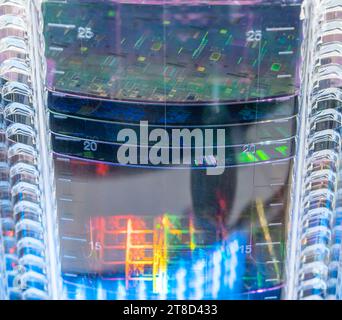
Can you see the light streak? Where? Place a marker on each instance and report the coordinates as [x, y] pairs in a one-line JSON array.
[[161, 252], [121, 293], [198, 280], [181, 285], [267, 235], [142, 291], [101, 293], [233, 248], [80, 292], [217, 259]]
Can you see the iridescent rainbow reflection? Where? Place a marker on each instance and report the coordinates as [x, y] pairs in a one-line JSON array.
[[160, 258]]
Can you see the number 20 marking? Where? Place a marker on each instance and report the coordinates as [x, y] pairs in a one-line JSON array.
[[89, 146]]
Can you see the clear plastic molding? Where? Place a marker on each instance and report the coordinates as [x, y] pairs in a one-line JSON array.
[[23, 248], [320, 223]]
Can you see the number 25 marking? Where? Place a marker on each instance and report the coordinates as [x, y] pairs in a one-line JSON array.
[[253, 35], [85, 33]]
